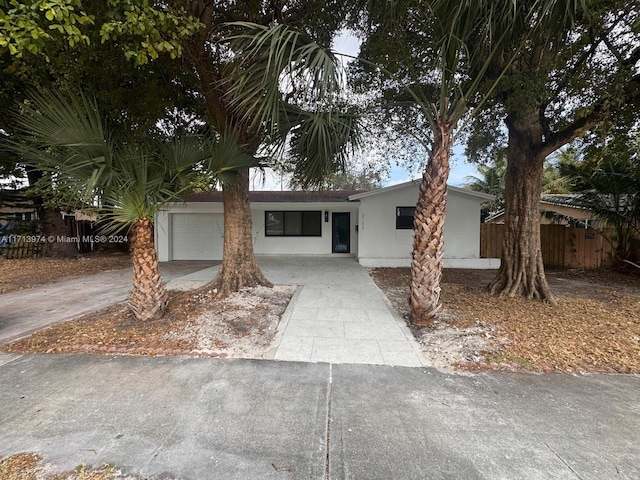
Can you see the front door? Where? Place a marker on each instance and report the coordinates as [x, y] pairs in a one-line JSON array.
[[341, 229]]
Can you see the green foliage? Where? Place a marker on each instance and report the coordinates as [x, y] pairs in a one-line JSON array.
[[287, 87], [572, 72], [145, 29], [490, 180], [26, 26], [128, 179], [607, 182], [148, 29], [429, 60]]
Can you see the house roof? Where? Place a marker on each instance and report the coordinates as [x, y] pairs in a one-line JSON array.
[[414, 183], [264, 196], [551, 202]]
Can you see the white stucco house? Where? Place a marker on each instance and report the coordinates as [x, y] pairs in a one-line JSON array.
[[373, 226]]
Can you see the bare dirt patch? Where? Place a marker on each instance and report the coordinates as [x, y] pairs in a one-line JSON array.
[[18, 274], [594, 328]]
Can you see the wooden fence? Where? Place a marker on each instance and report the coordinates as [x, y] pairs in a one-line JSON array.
[[23, 248], [561, 246]]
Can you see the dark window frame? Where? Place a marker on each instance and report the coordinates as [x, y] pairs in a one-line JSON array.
[[402, 219], [305, 232]]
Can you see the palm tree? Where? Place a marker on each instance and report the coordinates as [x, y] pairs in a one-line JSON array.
[[128, 181], [463, 34], [490, 179], [607, 183]]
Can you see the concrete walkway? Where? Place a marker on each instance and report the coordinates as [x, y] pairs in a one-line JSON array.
[[338, 314]]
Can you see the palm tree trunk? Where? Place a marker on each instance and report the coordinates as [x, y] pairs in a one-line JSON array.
[[428, 225], [239, 268], [148, 299]]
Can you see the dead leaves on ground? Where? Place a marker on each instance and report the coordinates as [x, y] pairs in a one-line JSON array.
[[594, 328], [18, 274], [28, 466]]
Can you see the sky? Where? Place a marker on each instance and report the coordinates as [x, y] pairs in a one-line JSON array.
[[348, 44]]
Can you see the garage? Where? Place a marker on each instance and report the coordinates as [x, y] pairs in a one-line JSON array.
[[197, 236]]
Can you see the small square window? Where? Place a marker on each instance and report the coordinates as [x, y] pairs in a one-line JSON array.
[[404, 218]]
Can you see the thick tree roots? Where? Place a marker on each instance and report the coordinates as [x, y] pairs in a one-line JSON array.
[[514, 279], [232, 280]]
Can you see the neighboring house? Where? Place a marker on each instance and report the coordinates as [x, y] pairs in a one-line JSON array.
[[374, 226], [16, 206], [556, 209]]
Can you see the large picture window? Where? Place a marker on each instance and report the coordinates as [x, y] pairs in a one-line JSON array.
[[293, 224], [404, 218]]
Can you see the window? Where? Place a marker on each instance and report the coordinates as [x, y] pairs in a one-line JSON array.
[[293, 224], [404, 218]]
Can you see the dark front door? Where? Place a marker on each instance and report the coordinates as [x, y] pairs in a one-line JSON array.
[[341, 229]]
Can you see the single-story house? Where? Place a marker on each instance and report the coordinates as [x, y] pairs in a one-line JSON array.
[[373, 226]]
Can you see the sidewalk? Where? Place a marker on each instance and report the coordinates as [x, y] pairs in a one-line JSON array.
[[338, 314], [203, 419]]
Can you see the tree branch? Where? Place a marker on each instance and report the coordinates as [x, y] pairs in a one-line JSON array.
[[599, 112]]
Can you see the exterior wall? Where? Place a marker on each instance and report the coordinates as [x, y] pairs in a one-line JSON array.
[[382, 245], [373, 234], [263, 245]]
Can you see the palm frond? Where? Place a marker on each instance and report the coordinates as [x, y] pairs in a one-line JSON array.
[[226, 158], [321, 144], [270, 59], [56, 133]]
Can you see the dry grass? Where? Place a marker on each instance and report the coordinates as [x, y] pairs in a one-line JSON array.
[[594, 328], [28, 466]]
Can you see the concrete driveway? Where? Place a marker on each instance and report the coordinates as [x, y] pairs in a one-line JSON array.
[[25, 311], [185, 418]]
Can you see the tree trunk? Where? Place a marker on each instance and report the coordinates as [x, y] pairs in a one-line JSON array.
[[239, 267], [148, 299], [56, 228], [521, 272], [428, 225]]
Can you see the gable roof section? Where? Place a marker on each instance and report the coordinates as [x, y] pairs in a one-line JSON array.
[[482, 197], [264, 196]]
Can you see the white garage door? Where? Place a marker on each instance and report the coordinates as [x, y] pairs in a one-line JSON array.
[[197, 236]]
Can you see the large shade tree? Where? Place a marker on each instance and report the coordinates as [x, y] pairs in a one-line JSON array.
[[266, 83], [217, 40], [568, 78], [127, 180]]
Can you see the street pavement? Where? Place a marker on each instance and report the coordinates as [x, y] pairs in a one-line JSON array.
[[190, 418]]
